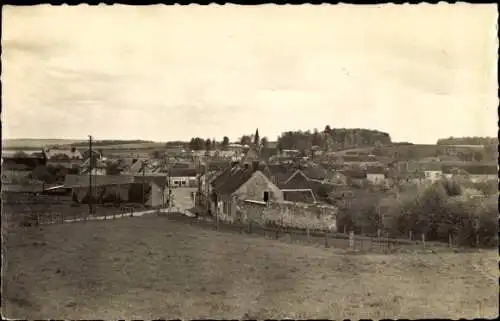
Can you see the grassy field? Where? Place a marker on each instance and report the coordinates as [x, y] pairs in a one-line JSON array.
[[153, 267]]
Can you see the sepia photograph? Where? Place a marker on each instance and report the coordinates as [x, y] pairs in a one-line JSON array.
[[249, 162]]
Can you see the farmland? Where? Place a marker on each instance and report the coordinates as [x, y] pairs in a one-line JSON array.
[[153, 267]]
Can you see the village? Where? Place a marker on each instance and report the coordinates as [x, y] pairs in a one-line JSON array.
[[308, 189], [233, 162]]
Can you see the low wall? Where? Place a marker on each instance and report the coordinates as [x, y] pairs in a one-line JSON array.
[[286, 214]]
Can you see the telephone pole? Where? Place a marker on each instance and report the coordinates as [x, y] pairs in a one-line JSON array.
[[90, 175]]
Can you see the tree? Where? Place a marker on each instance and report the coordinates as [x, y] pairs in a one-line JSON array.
[[214, 144], [197, 143], [256, 138], [156, 154], [246, 140], [225, 143], [264, 142], [208, 144]]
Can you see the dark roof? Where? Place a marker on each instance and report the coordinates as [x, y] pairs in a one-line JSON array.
[[354, 174], [315, 172], [278, 173], [376, 170], [478, 169], [183, 172], [231, 179], [97, 180], [17, 188], [299, 196], [15, 167]]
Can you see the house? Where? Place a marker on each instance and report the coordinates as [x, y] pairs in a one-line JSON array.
[[242, 182], [151, 191], [474, 172], [289, 153], [376, 175], [69, 158], [183, 177], [98, 168], [31, 159], [251, 155], [279, 173], [354, 177], [17, 166], [299, 196]]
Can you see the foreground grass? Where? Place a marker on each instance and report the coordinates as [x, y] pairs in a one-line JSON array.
[[151, 267]]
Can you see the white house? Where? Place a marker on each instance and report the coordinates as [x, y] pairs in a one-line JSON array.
[[433, 175], [376, 175], [183, 177]]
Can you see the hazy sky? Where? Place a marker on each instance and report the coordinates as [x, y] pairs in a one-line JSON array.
[[419, 72]]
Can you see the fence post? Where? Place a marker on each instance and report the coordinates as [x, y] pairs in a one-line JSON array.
[[411, 235], [351, 240], [249, 227], [326, 239], [423, 239], [38, 222], [62, 217], [131, 212], [114, 215], [450, 240]]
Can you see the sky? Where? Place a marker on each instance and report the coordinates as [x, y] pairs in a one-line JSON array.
[[418, 72]]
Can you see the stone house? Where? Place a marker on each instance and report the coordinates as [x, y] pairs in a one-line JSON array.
[[242, 182]]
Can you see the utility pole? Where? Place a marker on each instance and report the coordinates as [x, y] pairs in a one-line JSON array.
[[169, 177], [90, 175], [143, 181]]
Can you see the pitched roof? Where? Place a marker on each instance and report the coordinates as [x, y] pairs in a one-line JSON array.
[[278, 173], [18, 188], [9, 153], [475, 169], [354, 174], [375, 170], [299, 196], [315, 172], [15, 167], [51, 153], [97, 180], [183, 172], [231, 179]]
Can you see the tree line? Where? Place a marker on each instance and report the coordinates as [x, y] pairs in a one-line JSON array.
[[199, 143], [443, 211], [475, 140], [333, 139]]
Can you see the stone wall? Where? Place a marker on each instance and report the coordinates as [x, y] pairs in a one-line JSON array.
[[285, 214]]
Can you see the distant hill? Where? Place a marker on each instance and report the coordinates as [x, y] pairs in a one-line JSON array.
[[422, 151], [476, 140], [32, 143]]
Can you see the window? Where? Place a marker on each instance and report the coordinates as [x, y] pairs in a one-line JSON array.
[[266, 196]]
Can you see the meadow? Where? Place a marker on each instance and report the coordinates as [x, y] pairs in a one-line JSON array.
[[154, 267]]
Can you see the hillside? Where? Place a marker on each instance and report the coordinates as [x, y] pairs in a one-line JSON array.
[[34, 143], [421, 151], [152, 267]]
